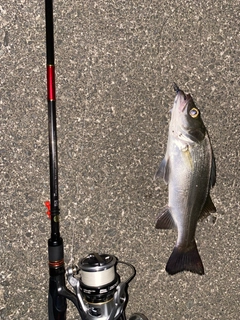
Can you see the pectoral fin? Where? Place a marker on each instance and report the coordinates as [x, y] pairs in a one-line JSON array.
[[163, 170], [165, 220]]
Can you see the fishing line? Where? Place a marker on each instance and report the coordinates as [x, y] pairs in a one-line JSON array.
[[73, 222], [96, 279], [84, 113]]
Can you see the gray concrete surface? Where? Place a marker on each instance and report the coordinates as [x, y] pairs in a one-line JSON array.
[[115, 64]]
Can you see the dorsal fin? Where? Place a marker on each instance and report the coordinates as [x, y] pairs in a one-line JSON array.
[[208, 208]]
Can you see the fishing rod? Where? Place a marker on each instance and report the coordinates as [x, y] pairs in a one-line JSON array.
[[97, 290]]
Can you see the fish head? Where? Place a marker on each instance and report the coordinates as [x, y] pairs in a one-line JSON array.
[[186, 118]]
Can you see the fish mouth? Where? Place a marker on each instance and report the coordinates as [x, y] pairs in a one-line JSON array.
[[181, 99]]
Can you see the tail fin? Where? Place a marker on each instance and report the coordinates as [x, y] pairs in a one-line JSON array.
[[188, 260]]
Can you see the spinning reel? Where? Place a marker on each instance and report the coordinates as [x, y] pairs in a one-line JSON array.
[[98, 288]]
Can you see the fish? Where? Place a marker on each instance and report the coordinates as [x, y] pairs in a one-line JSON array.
[[189, 170]]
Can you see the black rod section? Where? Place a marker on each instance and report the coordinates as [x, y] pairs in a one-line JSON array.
[[52, 127], [49, 32], [56, 302]]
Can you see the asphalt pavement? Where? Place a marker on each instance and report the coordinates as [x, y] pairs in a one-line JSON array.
[[115, 65]]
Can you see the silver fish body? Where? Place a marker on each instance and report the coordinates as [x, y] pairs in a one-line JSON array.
[[189, 170]]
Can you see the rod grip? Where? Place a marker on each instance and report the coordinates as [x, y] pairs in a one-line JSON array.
[[55, 250]]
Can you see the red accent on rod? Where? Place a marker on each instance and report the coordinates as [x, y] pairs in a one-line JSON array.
[[48, 205], [51, 82], [56, 264]]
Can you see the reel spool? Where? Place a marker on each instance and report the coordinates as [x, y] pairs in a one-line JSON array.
[[99, 277]]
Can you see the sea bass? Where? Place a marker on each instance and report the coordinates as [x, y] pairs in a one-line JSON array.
[[189, 170]]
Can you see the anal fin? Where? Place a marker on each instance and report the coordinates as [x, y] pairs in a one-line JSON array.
[[165, 220]]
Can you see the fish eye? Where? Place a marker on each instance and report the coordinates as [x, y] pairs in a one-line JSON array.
[[194, 112]]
